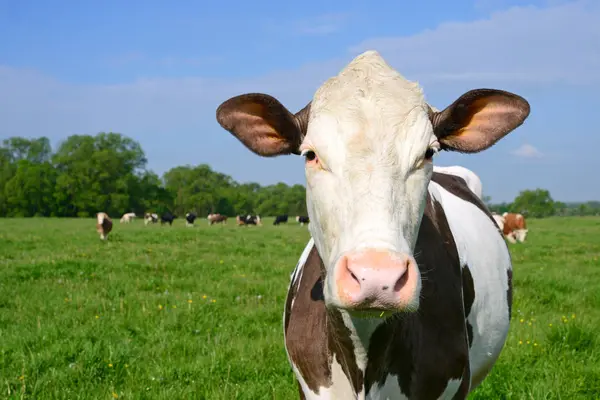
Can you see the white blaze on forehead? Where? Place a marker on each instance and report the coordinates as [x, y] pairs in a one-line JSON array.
[[369, 126], [367, 93]]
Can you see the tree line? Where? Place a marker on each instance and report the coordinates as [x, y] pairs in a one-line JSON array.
[[108, 172]]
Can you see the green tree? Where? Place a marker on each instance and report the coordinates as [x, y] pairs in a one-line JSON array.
[[535, 203]]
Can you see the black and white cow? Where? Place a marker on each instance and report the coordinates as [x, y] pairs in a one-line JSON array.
[[405, 287], [190, 218], [281, 219], [301, 219]]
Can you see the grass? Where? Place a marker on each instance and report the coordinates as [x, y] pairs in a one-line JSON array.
[[176, 313]]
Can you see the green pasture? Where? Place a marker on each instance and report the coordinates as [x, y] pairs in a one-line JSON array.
[[161, 312]]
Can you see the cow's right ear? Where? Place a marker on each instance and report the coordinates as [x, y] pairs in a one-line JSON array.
[[263, 124]]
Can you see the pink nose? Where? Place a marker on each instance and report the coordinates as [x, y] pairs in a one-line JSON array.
[[376, 279]]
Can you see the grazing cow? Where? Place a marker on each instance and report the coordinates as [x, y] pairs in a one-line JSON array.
[[515, 228], [248, 220], [471, 179], [280, 219], [150, 218], [302, 219], [217, 218], [103, 225], [189, 219], [127, 218], [167, 218], [404, 289]]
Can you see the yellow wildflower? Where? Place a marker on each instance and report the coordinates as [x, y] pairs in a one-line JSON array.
[[110, 365], [190, 301]]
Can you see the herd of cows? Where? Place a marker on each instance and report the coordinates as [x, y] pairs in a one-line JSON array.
[[404, 289], [104, 223]]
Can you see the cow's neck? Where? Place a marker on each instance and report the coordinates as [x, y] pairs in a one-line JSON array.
[[358, 332]]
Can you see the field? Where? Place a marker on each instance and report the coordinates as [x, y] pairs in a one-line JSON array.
[[176, 313]]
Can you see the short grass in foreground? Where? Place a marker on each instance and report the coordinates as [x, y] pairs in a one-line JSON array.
[[175, 312]]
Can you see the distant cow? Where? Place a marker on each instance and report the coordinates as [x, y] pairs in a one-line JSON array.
[[189, 219], [127, 218], [515, 227], [301, 219], [103, 225], [280, 219], [248, 220], [472, 180], [167, 218], [404, 290], [216, 219], [150, 218]]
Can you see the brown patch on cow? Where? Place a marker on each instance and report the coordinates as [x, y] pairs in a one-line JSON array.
[[509, 293], [306, 337], [105, 227], [342, 347], [513, 222], [468, 299], [428, 348]]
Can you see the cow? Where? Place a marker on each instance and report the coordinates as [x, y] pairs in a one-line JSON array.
[[103, 225], [127, 218], [150, 218], [248, 220], [515, 228], [471, 179], [404, 289], [301, 219], [280, 219], [167, 218], [216, 218], [190, 218]]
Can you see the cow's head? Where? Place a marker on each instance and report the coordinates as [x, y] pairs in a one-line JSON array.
[[368, 138]]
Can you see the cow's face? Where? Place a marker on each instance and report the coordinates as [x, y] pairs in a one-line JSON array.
[[368, 138], [521, 235]]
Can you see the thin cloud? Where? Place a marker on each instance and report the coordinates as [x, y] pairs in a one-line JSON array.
[[527, 151], [528, 44]]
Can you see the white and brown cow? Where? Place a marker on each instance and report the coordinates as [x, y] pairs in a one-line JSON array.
[[404, 289], [216, 219], [471, 179], [127, 218], [514, 227], [103, 225]]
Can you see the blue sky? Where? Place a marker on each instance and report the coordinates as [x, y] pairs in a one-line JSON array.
[[156, 71]]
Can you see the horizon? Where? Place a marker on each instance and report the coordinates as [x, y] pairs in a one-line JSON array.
[[156, 74]]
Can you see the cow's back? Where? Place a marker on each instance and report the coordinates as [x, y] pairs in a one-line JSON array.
[[486, 262]]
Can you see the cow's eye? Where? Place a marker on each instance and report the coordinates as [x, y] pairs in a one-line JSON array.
[[429, 153], [309, 155]]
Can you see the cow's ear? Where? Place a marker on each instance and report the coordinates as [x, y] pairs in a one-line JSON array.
[[263, 124], [478, 119]]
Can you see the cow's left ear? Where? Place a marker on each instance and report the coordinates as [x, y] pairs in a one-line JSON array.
[[263, 124], [478, 119]]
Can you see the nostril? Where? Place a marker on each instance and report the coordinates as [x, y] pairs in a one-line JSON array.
[[403, 278], [401, 282], [354, 276]]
